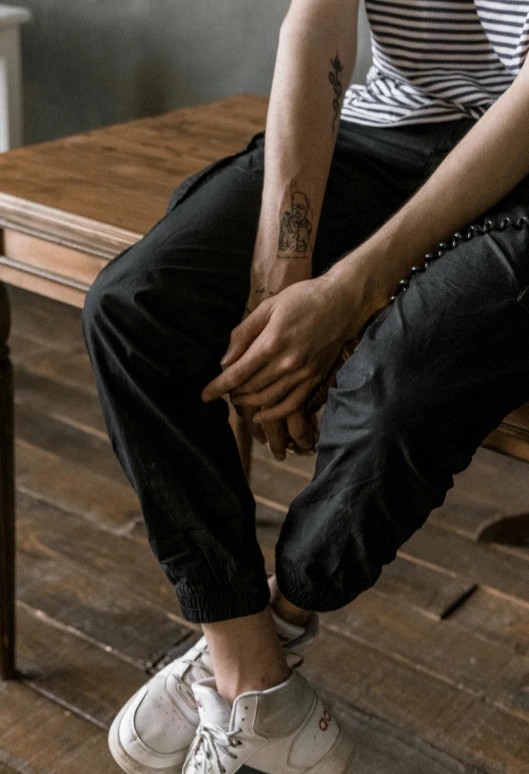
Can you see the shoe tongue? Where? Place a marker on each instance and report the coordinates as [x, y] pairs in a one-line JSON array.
[[212, 707]]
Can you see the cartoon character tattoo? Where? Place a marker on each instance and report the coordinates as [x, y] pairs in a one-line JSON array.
[[295, 227]]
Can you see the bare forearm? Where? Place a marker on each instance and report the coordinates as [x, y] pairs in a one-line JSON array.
[[314, 64], [483, 167]]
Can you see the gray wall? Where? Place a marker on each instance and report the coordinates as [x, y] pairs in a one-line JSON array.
[[90, 63]]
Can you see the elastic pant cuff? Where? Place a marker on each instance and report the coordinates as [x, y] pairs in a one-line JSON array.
[[216, 602], [303, 595]]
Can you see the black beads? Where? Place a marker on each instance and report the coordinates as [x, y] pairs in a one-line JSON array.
[[475, 228]]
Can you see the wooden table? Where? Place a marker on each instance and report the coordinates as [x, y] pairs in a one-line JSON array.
[[69, 206]]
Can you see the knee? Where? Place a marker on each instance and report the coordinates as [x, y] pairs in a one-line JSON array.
[[106, 293], [94, 304], [112, 311], [386, 458], [378, 405], [147, 312], [398, 428]]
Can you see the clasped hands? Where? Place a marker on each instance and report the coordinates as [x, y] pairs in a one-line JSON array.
[[283, 348]]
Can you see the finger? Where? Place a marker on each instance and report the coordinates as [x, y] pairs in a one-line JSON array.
[[284, 364], [256, 430], [277, 437], [293, 401], [300, 429], [271, 394], [238, 373], [270, 373], [244, 334]]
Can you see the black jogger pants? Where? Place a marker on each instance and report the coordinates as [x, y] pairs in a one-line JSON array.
[[440, 367]]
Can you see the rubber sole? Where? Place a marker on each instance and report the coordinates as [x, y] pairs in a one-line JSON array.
[[343, 754], [131, 766]]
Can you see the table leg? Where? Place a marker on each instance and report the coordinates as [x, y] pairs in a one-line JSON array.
[[7, 499], [10, 88]]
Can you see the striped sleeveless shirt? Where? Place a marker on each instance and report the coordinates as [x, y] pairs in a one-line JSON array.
[[438, 60]]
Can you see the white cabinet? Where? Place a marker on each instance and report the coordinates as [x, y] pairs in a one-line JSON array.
[[11, 17]]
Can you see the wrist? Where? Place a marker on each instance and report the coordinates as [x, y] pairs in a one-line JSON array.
[[372, 271], [361, 281], [275, 275]]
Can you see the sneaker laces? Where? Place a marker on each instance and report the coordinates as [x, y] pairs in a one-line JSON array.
[[210, 740]]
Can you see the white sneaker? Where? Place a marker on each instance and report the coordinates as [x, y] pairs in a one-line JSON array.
[[284, 730], [151, 734]]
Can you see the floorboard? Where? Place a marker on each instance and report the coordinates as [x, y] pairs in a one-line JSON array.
[[50, 654], [429, 669], [38, 736]]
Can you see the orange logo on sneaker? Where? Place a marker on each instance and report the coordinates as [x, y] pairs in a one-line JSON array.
[[325, 721]]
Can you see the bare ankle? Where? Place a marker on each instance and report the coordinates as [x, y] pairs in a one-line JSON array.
[[230, 687], [247, 655], [285, 609]]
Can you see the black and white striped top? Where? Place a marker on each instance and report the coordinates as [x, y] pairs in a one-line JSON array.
[[438, 60]]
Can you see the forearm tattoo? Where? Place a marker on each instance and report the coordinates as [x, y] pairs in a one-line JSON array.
[[296, 226], [334, 78]]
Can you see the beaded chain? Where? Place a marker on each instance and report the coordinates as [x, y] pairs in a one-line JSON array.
[[319, 394], [474, 229]]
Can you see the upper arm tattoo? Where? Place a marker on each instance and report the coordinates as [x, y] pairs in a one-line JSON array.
[[334, 78]]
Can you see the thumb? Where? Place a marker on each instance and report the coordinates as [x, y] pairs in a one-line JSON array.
[[243, 335]]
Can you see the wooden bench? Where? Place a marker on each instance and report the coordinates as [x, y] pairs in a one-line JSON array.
[[69, 206]]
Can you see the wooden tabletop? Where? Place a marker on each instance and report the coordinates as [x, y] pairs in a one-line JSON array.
[[100, 191], [68, 206]]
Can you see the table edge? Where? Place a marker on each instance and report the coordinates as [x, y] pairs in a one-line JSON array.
[[64, 228]]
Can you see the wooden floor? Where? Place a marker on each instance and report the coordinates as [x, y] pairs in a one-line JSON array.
[[430, 669]]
